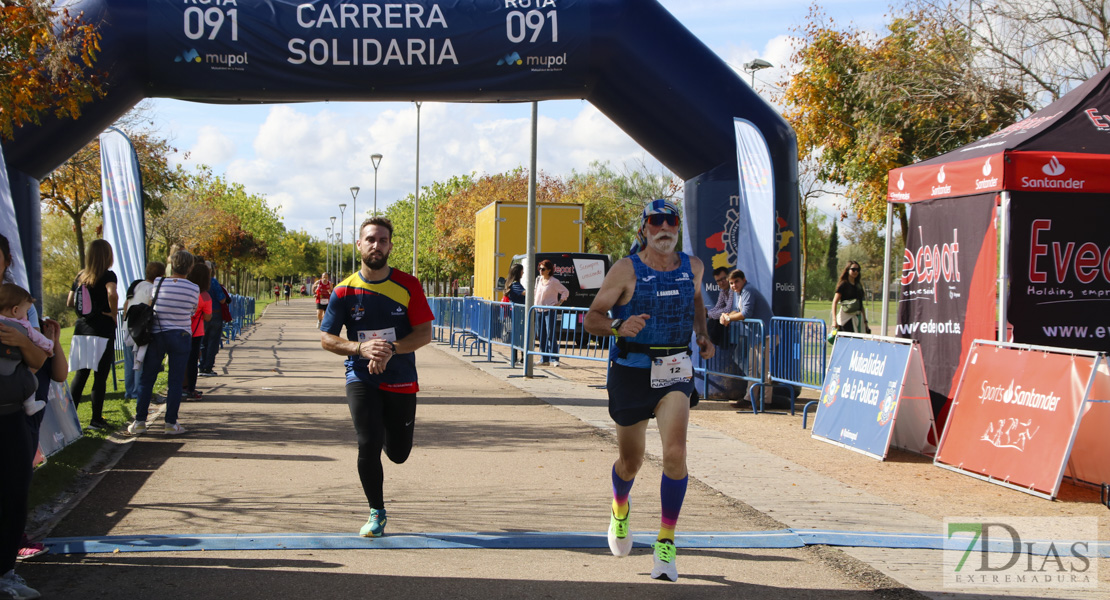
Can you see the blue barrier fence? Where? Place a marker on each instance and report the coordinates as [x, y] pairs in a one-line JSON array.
[[797, 355], [740, 357], [792, 354], [242, 317]]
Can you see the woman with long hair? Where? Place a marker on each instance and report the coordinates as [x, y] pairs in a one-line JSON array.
[[514, 289], [96, 318], [848, 312]]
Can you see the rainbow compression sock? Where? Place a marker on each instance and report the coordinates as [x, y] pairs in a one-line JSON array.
[[671, 494], [621, 488]]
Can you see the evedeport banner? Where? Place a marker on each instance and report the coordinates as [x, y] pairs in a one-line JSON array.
[[1060, 269], [947, 296]]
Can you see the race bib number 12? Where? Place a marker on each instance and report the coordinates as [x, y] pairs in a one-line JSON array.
[[669, 370]]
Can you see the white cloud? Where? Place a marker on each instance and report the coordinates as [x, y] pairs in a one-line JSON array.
[[212, 146]]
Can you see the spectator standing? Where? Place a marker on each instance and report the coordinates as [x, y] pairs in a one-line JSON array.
[[174, 303], [847, 306], [213, 329], [17, 452], [139, 292], [549, 292], [94, 297], [514, 289], [199, 275]]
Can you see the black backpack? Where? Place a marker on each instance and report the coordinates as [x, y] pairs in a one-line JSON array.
[[140, 320]]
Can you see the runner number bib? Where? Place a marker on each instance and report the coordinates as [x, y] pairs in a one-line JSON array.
[[669, 370]]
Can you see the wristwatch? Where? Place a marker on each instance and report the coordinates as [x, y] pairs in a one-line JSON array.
[[392, 347], [615, 326]]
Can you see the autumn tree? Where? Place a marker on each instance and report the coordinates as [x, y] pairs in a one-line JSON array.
[[1046, 46], [74, 188], [46, 60], [861, 106]]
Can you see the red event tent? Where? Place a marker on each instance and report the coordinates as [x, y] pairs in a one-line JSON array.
[[1048, 177]]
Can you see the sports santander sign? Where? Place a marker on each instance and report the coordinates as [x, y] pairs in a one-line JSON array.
[[1015, 414]]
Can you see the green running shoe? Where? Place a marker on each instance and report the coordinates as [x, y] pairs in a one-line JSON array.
[[664, 561], [375, 526], [620, 539]]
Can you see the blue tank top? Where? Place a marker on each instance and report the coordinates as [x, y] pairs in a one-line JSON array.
[[668, 296]]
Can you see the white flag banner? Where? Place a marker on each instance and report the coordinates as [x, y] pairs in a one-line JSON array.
[[755, 231], [121, 189], [10, 229]]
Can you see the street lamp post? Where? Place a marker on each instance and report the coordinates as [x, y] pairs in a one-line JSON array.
[[354, 217], [377, 160], [331, 240], [755, 65], [339, 262], [327, 246], [416, 196]]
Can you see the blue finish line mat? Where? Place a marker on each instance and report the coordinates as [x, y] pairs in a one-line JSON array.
[[782, 538]]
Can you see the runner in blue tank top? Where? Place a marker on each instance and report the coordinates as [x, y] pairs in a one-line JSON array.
[[654, 297]]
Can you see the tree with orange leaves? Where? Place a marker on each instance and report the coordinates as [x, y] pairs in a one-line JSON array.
[[46, 59]]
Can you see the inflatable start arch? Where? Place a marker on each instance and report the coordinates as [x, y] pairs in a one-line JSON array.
[[629, 58]]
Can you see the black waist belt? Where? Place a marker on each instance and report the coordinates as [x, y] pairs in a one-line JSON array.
[[624, 347]]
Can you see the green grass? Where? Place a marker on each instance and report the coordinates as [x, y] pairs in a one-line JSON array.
[[61, 469]]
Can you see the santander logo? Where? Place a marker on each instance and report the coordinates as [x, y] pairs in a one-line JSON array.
[[901, 183], [1053, 168], [940, 190], [987, 182]]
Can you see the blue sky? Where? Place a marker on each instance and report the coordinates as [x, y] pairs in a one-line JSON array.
[[304, 157]]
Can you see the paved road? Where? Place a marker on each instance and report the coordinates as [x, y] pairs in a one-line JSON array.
[[271, 451]]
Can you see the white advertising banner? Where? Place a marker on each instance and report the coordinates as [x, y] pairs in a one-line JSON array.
[[121, 188], [755, 231]]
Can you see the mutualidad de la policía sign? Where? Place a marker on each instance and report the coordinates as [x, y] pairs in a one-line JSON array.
[[873, 384]]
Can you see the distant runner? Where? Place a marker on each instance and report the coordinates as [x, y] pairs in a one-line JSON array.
[[387, 318], [322, 291]]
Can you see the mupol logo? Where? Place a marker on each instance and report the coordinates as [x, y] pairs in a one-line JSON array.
[[190, 55], [510, 59], [1053, 168]]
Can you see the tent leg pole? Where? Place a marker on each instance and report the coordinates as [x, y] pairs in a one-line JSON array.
[[886, 268], [1003, 263]]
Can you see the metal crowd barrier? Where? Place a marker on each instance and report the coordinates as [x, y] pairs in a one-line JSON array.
[[742, 357], [794, 354], [563, 328], [242, 315], [797, 355]]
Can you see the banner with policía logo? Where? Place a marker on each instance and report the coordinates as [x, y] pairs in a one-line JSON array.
[[875, 396], [1016, 414]]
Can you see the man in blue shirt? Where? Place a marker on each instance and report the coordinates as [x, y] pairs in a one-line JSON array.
[[213, 330], [747, 304]]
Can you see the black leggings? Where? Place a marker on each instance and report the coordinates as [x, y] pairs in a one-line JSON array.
[[382, 420], [16, 454], [100, 380]]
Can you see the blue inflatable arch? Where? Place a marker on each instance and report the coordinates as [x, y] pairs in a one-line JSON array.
[[629, 58]]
